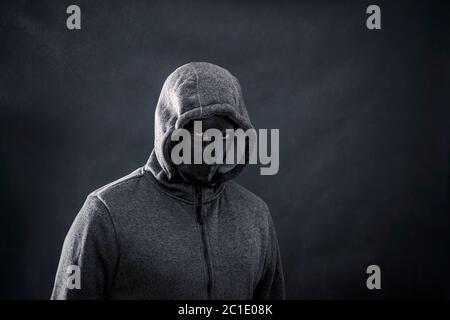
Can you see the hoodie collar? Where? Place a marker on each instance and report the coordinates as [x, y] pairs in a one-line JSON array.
[[179, 189]]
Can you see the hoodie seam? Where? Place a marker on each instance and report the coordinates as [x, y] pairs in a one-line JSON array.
[[113, 223], [198, 91], [205, 267], [266, 258], [235, 88], [115, 184], [238, 118], [167, 192], [211, 264], [156, 184]]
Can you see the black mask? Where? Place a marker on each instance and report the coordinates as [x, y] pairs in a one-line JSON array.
[[203, 173]]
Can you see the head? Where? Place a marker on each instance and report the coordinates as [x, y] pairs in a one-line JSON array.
[[196, 91]]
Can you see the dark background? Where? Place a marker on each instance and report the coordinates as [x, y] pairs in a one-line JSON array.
[[363, 118]]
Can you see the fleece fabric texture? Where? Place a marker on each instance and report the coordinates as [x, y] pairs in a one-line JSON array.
[[151, 235]]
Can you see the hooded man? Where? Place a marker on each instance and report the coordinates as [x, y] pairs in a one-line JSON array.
[[169, 231]]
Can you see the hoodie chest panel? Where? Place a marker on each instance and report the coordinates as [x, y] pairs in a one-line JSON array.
[[162, 250], [162, 255], [236, 249]]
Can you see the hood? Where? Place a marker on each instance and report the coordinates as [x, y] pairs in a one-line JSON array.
[[196, 90]]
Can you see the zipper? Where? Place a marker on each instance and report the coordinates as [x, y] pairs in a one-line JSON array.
[[200, 220]]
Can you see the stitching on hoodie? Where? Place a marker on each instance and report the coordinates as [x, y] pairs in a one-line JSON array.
[[211, 262], [153, 181], [205, 268], [117, 183], [266, 253], [116, 238], [198, 94], [238, 92]]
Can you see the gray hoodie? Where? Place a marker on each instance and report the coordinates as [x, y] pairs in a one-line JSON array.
[[151, 235]]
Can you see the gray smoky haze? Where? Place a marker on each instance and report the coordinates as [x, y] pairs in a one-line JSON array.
[[363, 118]]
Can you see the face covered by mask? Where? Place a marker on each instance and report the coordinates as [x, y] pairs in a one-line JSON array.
[[203, 173]]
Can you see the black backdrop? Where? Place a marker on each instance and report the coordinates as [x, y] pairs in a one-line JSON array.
[[363, 119]]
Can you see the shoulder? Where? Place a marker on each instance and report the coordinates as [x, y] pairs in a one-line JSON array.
[[122, 188], [93, 220]]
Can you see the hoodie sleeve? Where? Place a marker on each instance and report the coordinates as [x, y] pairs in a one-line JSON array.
[[271, 284], [89, 256]]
